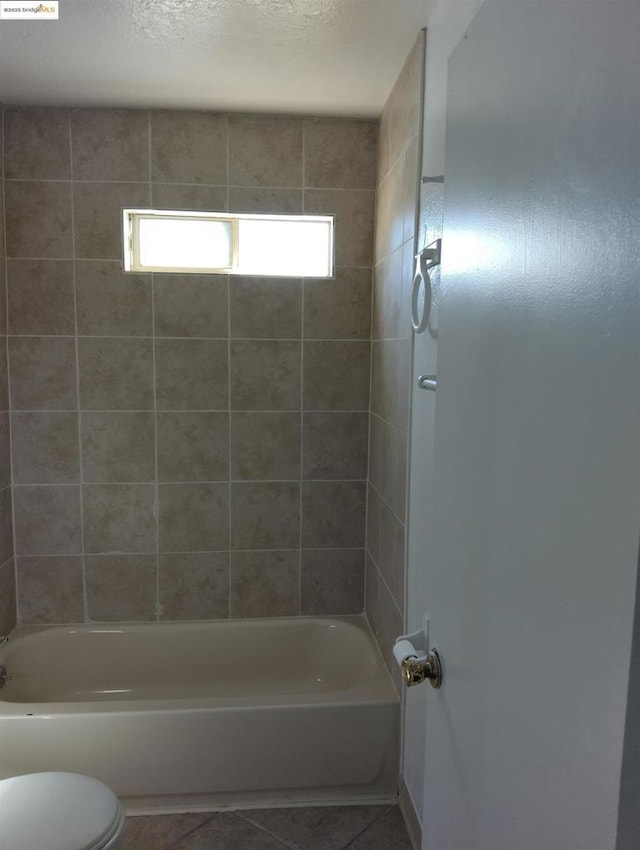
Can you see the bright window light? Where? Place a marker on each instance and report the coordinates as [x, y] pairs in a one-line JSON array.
[[195, 243], [293, 247], [210, 243]]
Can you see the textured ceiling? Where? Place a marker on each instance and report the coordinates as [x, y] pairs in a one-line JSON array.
[[316, 56]]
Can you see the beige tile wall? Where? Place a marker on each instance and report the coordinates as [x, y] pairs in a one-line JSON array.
[[395, 234], [7, 568], [184, 446]]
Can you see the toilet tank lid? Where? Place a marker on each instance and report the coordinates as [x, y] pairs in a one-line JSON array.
[[57, 811]]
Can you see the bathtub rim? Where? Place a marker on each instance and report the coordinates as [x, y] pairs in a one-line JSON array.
[[380, 690]]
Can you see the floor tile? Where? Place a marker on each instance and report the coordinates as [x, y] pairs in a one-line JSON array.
[[315, 828], [160, 832], [228, 832], [312, 828], [387, 833]]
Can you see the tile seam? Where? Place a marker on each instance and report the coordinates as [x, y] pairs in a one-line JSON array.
[[6, 344], [157, 609], [229, 374], [85, 592], [302, 342]]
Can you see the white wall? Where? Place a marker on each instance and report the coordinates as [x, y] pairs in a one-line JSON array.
[[447, 24]]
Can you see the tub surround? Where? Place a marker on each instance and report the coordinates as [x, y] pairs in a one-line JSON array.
[[184, 446], [156, 479], [292, 710], [152, 480]]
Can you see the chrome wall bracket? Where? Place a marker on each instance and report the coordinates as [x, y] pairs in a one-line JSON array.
[[428, 382], [432, 254]]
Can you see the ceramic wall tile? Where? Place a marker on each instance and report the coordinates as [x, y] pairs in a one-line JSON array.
[[47, 520], [264, 584], [50, 590], [194, 586], [265, 515], [192, 374], [186, 440], [36, 143], [265, 307], [193, 446], [115, 374], [265, 375], [43, 373], [40, 297], [188, 147], [332, 581], [265, 446], [38, 218], [340, 153], [110, 302], [45, 448], [110, 144], [340, 308], [265, 150], [194, 517], [121, 588], [191, 305]]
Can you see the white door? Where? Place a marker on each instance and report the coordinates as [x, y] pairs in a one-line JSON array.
[[537, 444]]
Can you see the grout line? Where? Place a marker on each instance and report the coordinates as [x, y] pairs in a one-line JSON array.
[[401, 521], [181, 412], [229, 567], [301, 460], [302, 342], [121, 337], [383, 581], [268, 481], [7, 560], [244, 816], [228, 185], [190, 832], [366, 501], [188, 273], [375, 820], [301, 482], [8, 369], [389, 424], [304, 161], [149, 158], [158, 608], [230, 437], [126, 554], [85, 597]]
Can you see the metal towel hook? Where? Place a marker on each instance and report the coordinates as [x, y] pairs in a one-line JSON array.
[[427, 259]]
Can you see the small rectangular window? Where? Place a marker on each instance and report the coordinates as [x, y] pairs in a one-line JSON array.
[[223, 243]]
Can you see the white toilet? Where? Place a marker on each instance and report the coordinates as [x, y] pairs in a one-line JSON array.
[[59, 811]]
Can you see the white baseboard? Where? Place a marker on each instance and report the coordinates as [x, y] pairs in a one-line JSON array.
[[410, 816]]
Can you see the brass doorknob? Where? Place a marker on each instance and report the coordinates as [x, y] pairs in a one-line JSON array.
[[414, 672]]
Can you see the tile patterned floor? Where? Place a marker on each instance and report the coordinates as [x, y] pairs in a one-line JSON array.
[[321, 828]]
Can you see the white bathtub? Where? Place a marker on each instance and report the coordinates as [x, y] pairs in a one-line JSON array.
[[197, 716]]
